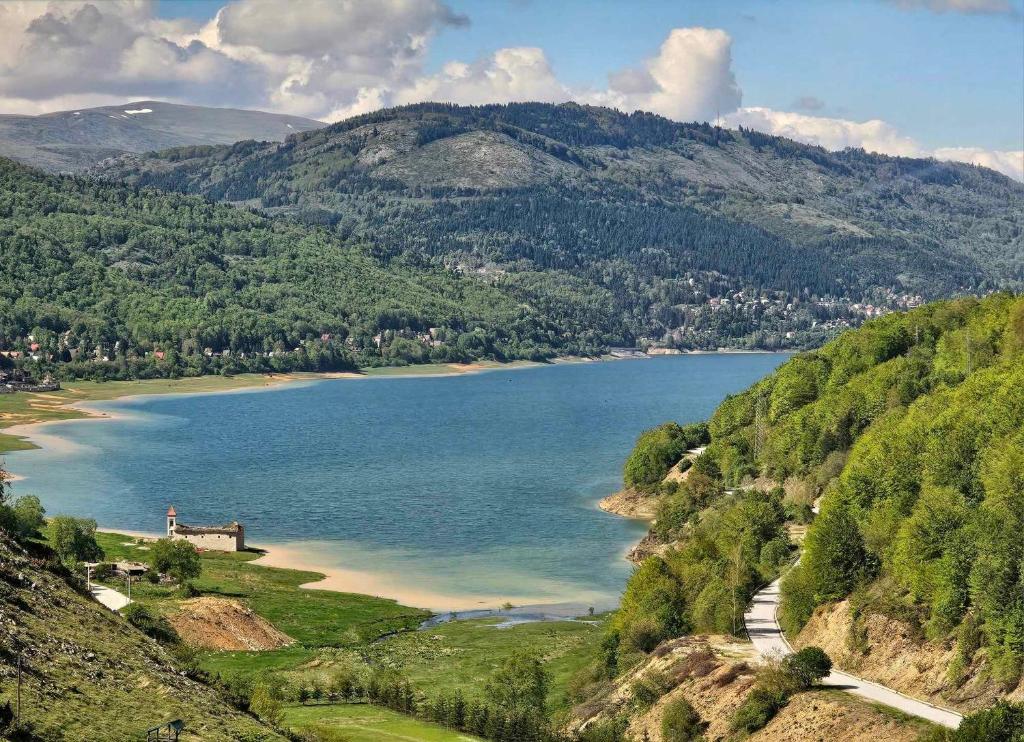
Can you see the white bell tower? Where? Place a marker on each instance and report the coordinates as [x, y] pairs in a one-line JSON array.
[[172, 519]]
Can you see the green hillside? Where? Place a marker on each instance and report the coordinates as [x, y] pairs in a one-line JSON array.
[[910, 434], [86, 672], [662, 215]]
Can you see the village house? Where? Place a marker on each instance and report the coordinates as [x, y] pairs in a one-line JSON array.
[[229, 537]]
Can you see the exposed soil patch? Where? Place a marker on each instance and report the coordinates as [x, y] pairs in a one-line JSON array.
[[218, 623], [889, 651], [630, 504]]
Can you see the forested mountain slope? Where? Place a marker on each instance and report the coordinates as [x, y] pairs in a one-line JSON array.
[[664, 215], [73, 140], [114, 281], [909, 432]]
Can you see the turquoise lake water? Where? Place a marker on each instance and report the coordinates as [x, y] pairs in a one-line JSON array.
[[479, 486]]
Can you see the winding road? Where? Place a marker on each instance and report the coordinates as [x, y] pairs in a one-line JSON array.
[[769, 641]]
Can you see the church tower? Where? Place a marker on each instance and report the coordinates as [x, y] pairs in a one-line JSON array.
[[172, 519]]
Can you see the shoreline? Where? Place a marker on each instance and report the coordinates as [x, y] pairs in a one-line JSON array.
[[333, 578], [24, 434], [352, 581]]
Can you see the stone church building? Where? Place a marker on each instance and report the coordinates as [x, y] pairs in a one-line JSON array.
[[229, 537]]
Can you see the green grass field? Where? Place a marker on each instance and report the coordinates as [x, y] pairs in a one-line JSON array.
[[365, 723], [314, 618], [343, 628]]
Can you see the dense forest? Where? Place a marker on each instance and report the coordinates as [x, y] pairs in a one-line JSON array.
[[662, 216], [108, 281], [910, 434]]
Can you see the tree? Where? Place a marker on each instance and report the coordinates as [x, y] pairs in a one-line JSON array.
[[834, 555], [265, 706], [520, 684], [657, 450], [177, 558], [29, 517], [74, 539], [808, 665], [652, 608]]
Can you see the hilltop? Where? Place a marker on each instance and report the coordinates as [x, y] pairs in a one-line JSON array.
[[67, 141], [666, 216]]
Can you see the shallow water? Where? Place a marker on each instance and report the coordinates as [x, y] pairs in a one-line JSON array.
[[456, 491]]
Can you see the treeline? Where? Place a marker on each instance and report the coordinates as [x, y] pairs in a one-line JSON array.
[[511, 706], [118, 282]]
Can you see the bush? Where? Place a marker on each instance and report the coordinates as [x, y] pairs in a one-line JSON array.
[[647, 690], [681, 722], [149, 623], [757, 709], [808, 665]]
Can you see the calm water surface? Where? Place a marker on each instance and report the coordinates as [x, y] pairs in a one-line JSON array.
[[481, 485]]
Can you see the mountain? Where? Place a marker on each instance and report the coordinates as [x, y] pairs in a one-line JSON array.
[[907, 432], [104, 280], [671, 218], [73, 140]]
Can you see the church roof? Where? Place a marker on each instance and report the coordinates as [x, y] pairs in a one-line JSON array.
[[170, 512], [229, 529]]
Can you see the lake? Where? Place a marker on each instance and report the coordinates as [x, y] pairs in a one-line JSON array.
[[446, 492]]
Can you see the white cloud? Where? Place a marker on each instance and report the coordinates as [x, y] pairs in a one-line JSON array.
[[1009, 163], [690, 79], [512, 74], [873, 136], [830, 133]]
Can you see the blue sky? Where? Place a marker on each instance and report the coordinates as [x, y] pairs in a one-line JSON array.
[[947, 79]]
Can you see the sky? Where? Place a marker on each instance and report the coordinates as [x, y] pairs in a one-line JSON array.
[[942, 78]]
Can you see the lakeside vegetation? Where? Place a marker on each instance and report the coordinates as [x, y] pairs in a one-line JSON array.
[[103, 281], [909, 432]]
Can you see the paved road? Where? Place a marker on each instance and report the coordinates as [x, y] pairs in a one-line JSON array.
[[109, 597], [769, 641]]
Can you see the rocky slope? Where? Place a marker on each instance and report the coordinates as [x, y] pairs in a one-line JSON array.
[[714, 675], [87, 673], [892, 652], [72, 140]]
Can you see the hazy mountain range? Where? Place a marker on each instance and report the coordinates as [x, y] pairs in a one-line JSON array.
[[72, 140]]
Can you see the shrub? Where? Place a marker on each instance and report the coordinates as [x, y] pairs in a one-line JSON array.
[[681, 722], [809, 665], [757, 709], [647, 690], [151, 624]]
